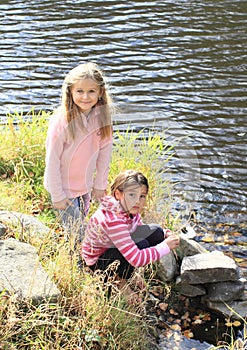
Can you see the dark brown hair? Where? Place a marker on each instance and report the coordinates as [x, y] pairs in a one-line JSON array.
[[128, 178]]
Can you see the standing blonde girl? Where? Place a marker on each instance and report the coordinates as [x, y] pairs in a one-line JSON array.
[[79, 145]]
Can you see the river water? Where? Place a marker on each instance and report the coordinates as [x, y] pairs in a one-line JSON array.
[[176, 66]]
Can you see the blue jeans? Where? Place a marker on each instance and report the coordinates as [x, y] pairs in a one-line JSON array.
[[73, 216]]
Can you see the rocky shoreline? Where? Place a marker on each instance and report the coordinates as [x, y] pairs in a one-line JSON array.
[[207, 288]]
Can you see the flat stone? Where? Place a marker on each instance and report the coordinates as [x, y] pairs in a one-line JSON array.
[[208, 268], [236, 310], [189, 247], [189, 290], [225, 291], [22, 274], [31, 224]]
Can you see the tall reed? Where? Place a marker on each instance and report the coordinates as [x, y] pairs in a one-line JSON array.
[[84, 317]]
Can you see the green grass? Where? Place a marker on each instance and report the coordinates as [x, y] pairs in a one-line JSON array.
[[83, 318], [22, 162]]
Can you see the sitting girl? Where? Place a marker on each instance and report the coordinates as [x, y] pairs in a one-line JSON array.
[[116, 233]]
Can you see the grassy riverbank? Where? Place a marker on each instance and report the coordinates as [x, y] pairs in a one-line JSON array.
[[83, 318]]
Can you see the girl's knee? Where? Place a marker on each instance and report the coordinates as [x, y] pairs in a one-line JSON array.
[[160, 232], [157, 236]]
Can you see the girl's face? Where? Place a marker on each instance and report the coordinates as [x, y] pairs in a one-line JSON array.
[[133, 198], [85, 94]]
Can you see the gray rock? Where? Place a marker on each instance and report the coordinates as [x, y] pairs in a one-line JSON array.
[[3, 230], [225, 291], [236, 310], [167, 267], [29, 223], [189, 247], [189, 290], [22, 274], [208, 268]]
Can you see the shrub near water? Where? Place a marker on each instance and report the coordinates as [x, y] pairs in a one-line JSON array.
[[149, 154], [22, 161], [83, 318]]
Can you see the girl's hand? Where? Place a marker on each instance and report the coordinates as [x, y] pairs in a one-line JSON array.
[[168, 232], [61, 205], [172, 241], [97, 194]]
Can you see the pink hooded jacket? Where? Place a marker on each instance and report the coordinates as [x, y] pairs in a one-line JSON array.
[[112, 227], [74, 167]]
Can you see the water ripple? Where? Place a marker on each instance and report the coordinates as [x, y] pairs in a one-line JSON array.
[[181, 64]]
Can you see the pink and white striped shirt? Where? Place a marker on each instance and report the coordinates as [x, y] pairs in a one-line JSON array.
[[111, 227]]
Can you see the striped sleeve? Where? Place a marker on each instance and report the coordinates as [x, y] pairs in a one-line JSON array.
[[120, 236]]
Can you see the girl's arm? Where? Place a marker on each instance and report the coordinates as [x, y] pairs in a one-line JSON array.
[[54, 150], [98, 194], [103, 165], [119, 234]]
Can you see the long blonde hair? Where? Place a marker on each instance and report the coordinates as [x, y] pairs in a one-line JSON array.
[[105, 103]]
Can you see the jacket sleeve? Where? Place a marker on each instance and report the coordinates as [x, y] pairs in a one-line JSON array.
[[120, 236], [54, 149], [103, 164]]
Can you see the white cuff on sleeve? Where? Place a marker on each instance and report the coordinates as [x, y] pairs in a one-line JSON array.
[[162, 248]]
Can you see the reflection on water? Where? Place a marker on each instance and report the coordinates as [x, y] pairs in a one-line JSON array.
[[181, 64]]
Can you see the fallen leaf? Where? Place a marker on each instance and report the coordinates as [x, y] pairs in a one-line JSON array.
[[208, 240], [163, 306], [229, 241], [157, 290], [219, 225], [186, 315], [236, 233], [198, 321], [186, 324], [234, 324], [175, 327], [206, 317], [173, 312], [188, 334], [158, 312], [241, 262]]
